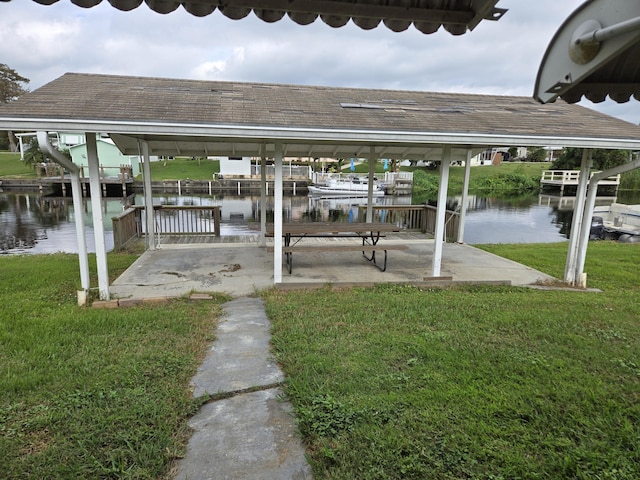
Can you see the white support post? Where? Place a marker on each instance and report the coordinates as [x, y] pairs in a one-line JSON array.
[[592, 191], [576, 223], [149, 213], [96, 208], [76, 190], [465, 197], [441, 210], [263, 200], [372, 171], [277, 217]]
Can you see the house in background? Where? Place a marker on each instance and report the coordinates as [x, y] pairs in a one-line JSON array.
[[111, 159], [235, 167]]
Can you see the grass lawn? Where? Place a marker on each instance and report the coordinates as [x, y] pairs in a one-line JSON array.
[[92, 393], [470, 382], [183, 168], [12, 167], [390, 382]]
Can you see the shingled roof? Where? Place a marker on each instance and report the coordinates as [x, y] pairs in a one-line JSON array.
[[221, 118]]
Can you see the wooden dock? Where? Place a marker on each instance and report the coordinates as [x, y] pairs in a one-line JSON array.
[[570, 178], [54, 176]]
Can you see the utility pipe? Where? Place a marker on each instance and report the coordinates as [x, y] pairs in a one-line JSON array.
[[588, 212], [441, 210], [149, 212], [602, 34], [576, 224], [76, 191], [465, 196]]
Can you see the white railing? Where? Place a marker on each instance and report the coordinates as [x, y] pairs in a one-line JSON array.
[[571, 177], [288, 171]]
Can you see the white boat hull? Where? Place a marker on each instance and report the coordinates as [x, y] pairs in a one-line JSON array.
[[335, 192], [353, 187]]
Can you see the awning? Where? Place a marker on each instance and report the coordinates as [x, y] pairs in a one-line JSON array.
[[594, 54], [456, 16]]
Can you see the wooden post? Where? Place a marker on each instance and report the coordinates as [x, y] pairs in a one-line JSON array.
[[216, 221]]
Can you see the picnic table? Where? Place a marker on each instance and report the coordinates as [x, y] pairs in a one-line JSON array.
[[369, 233]]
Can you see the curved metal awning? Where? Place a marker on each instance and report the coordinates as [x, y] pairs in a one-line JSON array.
[[594, 54], [456, 16]]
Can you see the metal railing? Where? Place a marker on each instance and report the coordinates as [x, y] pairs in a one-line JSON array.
[[420, 218]]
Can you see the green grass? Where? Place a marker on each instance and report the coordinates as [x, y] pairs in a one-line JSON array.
[[183, 168], [470, 382], [92, 393], [12, 167]]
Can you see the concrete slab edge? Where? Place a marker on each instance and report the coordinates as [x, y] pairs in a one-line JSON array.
[[423, 284]]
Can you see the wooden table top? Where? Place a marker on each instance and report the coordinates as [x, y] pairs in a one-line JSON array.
[[333, 227]]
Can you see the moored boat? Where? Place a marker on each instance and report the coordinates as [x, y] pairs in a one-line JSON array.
[[618, 221], [350, 186]]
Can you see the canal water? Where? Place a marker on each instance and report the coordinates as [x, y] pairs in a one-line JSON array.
[[30, 223]]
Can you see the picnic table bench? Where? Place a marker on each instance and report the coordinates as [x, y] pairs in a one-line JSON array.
[[369, 233]]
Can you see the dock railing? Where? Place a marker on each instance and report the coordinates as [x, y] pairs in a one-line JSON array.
[[421, 218], [169, 220], [571, 177], [126, 227]]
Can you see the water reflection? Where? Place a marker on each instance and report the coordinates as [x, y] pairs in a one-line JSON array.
[[33, 224]]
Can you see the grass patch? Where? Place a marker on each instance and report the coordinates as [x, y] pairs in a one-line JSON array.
[[92, 393], [183, 168], [12, 167], [508, 178], [472, 382]]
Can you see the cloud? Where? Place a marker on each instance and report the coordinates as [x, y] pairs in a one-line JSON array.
[[43, 42]]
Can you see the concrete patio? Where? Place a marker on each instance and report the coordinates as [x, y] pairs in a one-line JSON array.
[[241, 269]]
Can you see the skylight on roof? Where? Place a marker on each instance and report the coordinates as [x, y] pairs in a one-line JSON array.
[[369, 106]]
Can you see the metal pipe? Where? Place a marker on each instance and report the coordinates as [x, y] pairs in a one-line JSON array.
[[606, 33], [576, 223], [441, 211], [76, 191], [588, 212], [465, 196]]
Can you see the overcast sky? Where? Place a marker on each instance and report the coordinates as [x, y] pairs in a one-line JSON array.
[[43, 42]]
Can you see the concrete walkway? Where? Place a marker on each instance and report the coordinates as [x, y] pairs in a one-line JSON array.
[[250, 433]]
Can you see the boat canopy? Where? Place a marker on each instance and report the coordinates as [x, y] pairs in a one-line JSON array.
[[593, 55], [455, 16]]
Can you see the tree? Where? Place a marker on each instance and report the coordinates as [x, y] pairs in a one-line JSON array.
[[571, 158], [536, 154], [12, 85], [33, 154]]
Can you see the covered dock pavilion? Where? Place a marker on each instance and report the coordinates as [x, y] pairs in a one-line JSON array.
[[158, 116]]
